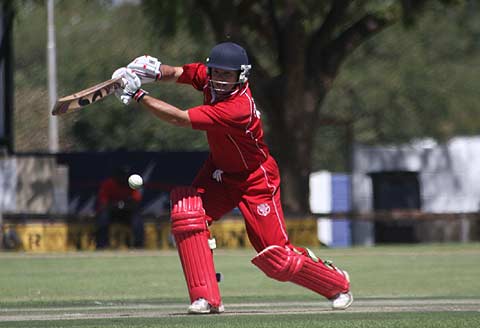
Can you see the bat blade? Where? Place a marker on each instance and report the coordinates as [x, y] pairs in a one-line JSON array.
[[83, 98]]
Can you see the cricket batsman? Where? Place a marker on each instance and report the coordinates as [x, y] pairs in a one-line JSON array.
[[239, 172]]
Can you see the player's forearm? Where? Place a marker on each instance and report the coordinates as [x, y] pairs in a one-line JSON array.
[[170, 73], [166, 112]]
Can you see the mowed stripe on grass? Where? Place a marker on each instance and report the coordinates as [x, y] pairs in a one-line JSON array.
[[118, 311]]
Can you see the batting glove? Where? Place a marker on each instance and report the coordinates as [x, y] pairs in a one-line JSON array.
[[120, 72], [147, 68], [132, 88]]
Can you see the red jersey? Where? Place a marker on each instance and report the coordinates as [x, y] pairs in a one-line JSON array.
[[233, 126], [112, 192]]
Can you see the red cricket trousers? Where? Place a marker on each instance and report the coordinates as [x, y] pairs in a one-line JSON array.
[[257, 195]]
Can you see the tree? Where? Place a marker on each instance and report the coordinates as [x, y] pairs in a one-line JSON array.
[[92, 41], [297, 49]]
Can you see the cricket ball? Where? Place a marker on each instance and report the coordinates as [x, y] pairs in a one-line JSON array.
[[135, 181]]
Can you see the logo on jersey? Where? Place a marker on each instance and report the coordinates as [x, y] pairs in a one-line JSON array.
[[263, 209], [217, 175]]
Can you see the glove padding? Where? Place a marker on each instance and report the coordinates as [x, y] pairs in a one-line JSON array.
[[131, 86], [147, 68], [119, 73]]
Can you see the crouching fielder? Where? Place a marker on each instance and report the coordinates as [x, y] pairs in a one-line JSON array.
[[239, 172]]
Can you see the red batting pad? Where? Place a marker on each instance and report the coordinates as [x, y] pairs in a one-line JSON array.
[[190, 230], [282, 263]]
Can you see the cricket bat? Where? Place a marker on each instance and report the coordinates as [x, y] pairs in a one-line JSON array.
[[81, 99]]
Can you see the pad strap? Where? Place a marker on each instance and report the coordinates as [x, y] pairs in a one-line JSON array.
[[284, 264], [189, 228]]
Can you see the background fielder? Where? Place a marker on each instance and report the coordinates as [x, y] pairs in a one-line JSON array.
[[239, 172]]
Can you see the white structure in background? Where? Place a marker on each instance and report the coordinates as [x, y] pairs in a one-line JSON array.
[[321, 202], [330, 192], [449, 174], [33, 185], [8, 185], [448, 177]]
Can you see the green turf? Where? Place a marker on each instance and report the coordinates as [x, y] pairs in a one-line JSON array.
[[87, 280]]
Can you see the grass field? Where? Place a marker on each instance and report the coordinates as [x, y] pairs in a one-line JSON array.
[[398, 286]]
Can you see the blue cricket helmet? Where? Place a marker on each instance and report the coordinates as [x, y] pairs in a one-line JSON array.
[[230, 56]]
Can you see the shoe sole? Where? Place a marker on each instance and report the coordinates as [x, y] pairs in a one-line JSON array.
[[346, 306], [190, 311], [212, 310]]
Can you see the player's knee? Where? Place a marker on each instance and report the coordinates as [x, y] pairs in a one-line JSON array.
[[187, 213], [279, 262]]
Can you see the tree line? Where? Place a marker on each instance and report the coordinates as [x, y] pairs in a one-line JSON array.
[[325, 73]]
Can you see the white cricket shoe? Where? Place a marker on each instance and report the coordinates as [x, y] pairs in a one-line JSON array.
[[344, 300], [201, 306]]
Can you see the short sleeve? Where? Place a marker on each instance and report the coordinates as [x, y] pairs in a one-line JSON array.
[[194, 74], [220, 116]]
